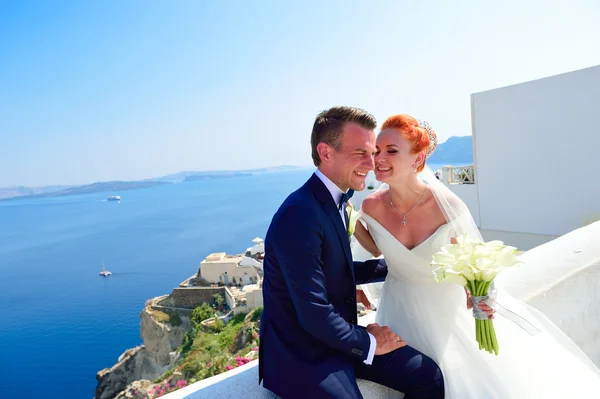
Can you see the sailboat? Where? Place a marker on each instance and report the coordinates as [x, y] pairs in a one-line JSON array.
[[104, 272]]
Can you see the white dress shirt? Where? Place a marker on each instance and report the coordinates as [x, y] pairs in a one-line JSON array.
[[336, 194]]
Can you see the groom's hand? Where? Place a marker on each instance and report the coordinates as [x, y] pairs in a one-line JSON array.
[[387, 341]]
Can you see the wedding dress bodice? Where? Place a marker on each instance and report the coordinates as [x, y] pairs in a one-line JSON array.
[[409, 265]]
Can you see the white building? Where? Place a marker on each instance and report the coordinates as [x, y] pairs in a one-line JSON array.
[[228, 269], [258, 247], [535, 146], [254, 296]]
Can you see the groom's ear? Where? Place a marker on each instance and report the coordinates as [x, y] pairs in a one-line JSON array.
[[324, 151]]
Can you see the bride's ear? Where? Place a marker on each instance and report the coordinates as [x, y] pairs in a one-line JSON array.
[[420, 159]]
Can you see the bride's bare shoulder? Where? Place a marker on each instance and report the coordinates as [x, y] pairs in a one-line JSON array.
[[374, 202]]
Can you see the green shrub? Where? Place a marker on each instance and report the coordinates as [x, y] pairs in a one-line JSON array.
[[216, 366], [226, 336], [192, 368], [219, 300], [200, 314], [256, 314], [218, 326], [165, 375], [208, 352], [238, 318], [188, 342]]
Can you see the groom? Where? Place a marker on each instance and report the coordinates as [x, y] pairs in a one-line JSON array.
[[310, 343]]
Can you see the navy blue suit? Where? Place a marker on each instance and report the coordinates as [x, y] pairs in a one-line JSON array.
[[310, 344]]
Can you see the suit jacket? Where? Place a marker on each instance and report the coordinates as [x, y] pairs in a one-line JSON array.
[[308, 325]]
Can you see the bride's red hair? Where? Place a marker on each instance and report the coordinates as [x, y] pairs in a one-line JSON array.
[[409, 129]]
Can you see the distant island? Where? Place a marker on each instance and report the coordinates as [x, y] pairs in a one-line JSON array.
[[21, 192], [215, 174], [454, 151]]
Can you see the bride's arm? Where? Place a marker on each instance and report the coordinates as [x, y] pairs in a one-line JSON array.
[[365, 239]]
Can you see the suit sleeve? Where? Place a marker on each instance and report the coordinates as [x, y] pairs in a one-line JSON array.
[[371, 271], [297, 244]]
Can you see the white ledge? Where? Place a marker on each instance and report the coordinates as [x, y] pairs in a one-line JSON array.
[[243, 382]]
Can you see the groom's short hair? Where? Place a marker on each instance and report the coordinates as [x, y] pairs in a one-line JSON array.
[[329, 127]]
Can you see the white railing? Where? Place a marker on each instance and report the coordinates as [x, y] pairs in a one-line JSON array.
[[458, 174]]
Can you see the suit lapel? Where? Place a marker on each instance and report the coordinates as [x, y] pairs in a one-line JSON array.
[[324, 196], [336, 218]]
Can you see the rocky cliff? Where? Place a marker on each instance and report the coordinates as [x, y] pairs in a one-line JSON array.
[[147, 361]]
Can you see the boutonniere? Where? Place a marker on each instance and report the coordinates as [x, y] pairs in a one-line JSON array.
[[353, 216]]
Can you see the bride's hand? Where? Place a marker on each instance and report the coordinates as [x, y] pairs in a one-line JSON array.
[[469, 300], [486, 309]]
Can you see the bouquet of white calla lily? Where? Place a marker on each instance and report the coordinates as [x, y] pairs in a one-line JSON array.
[[474, 264]]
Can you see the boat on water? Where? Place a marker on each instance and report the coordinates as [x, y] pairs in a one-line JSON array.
[[104, 272], [114, 198]]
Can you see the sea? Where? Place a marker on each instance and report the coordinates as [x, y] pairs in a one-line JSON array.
[[61, 322]]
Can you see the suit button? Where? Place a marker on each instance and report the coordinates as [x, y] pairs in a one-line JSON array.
[[349, 300]]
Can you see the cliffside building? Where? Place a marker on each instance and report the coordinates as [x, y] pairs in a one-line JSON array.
[[229, 269]]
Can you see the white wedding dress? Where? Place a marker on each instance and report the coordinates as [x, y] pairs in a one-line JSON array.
[[433, 319]]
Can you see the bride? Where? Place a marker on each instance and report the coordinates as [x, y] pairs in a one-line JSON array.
[[410, 219]]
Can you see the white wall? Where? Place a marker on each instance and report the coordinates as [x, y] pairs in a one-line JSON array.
[[535, 148], [254, 299], [229, 300], [562, 279], [523, 241]]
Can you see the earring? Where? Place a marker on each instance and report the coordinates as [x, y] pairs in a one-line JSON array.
[[415, 168]]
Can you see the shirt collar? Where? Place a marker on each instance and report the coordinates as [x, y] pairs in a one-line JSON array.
[[334, 190]]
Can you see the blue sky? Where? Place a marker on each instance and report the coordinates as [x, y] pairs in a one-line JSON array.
[[122, 90]]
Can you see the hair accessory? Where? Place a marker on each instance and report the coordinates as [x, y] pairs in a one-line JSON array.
[[432, 136]]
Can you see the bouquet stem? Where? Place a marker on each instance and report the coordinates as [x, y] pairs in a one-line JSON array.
[[484, 329]]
